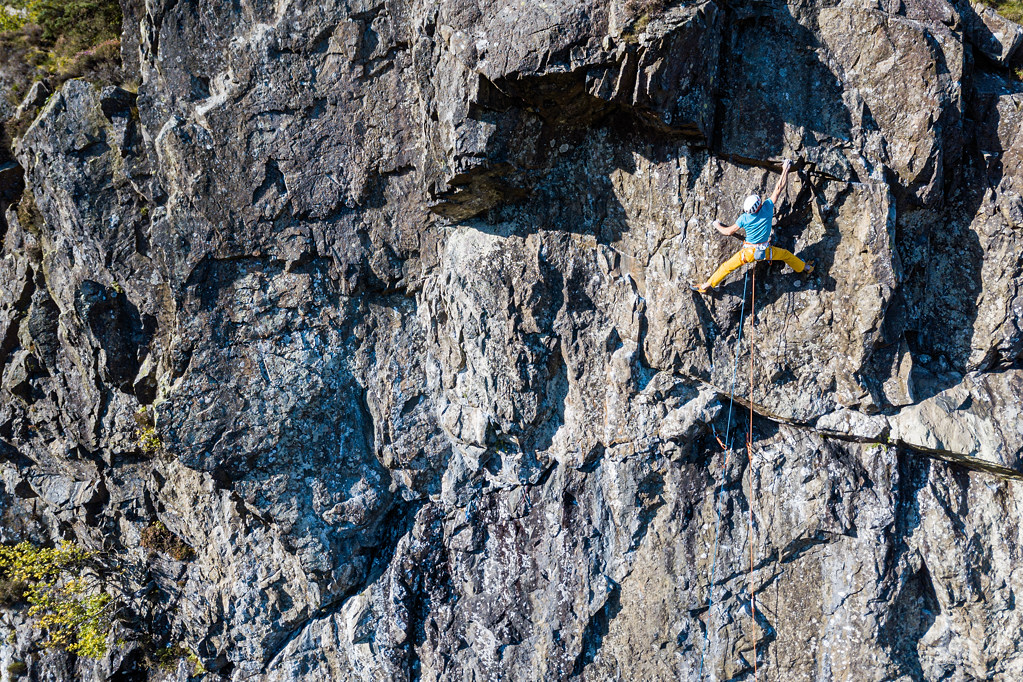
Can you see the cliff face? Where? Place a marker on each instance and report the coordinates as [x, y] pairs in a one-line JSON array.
[[402, 288]]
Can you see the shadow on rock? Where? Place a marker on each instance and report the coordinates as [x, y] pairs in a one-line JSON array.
[[775, 89], [943, 254]]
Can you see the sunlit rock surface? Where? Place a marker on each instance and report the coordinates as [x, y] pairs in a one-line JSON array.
[[403, 288]]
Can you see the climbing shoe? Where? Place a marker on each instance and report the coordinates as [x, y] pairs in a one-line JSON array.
[[699, 288]]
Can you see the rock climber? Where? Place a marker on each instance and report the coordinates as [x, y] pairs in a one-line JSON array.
[[754, 228]]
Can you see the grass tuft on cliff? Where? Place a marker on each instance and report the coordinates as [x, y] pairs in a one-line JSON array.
[[17, 668], [1010, 9], [159, 539], [640, 13], [168, 658], [58, 40]]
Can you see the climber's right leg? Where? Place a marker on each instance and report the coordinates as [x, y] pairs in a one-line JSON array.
[[731, 265]]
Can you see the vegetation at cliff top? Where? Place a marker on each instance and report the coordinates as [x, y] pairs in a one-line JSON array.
[[1010, 9], [71, 609], [58, 40]]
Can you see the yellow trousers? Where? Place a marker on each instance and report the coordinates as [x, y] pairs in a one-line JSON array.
[[745, 255]]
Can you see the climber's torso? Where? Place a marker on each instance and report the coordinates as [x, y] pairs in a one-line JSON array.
[[757, 226]]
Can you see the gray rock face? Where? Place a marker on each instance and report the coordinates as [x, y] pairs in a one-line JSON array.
[[383, 307], [991, 34]]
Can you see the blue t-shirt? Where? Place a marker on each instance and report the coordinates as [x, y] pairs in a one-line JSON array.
[[758, 225]]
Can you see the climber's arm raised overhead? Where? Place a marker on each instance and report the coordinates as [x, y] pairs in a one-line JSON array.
[[782, 181]]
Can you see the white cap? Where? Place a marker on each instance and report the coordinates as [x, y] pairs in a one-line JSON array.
[[752, 204]]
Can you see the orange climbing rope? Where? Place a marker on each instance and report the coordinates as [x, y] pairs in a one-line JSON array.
[[749, 452], [726, 447]]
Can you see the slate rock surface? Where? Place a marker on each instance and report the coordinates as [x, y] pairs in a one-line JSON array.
[[400, 292]]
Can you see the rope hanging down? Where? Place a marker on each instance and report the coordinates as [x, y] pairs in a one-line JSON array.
[[726, 446], [749, 452]]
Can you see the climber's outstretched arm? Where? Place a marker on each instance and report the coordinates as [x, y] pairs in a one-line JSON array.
[[782, 181], [727, 230]]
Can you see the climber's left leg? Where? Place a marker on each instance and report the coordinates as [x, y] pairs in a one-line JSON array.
[[794, 262]]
